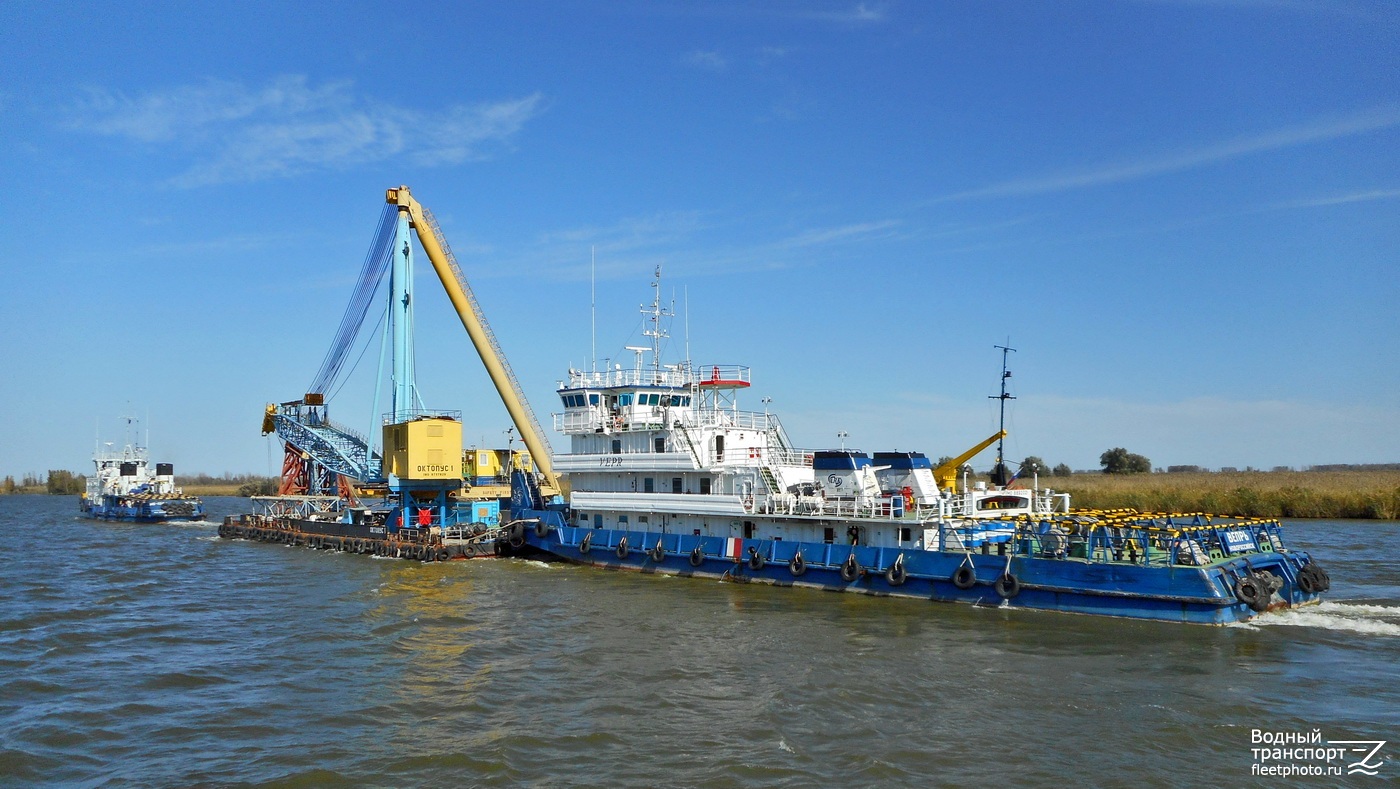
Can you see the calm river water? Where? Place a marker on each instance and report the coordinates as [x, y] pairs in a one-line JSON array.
[[162, 655]]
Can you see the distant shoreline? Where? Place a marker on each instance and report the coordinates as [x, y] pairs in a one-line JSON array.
[[1365, 495], [1369, 495]]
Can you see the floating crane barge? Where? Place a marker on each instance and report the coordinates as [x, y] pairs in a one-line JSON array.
[[414, 493]]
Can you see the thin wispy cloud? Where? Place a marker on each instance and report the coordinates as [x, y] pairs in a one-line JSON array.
[[710, 60], [841, 14], [1304, 6], [1354, 197], [717, 61], [860, 13], [1374, 119], [228, 132], [677, 239], [859, 231]]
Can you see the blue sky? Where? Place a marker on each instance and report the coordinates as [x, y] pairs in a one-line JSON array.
[[1183, 214]]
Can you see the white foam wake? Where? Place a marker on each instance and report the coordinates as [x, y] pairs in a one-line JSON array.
[[1352, 617], [1359, 609]]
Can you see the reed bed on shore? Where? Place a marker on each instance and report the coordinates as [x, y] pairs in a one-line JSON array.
[[1263, 494]]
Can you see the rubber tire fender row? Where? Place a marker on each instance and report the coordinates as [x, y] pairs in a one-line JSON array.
[[1007, 586], [1315, 577]]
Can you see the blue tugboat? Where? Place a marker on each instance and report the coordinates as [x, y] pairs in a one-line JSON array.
[[669, 476], [123, 488]]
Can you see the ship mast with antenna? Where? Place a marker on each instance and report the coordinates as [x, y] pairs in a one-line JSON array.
[[654, 315], [999, 475]]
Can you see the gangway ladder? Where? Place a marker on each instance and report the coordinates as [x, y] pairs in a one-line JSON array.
[[486, 329], [770, 480], [690, 444]]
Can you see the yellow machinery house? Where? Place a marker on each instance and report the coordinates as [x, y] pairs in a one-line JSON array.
[[426, 448]]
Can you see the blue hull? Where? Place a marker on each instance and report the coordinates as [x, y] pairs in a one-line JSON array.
[[1200, 595], [146, 512]]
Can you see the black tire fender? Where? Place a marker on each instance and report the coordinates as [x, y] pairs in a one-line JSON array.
[[541, 529], [586, 543], [1307, 581], [965, 577], [850, 569], [1007, 586], [657, 553], [896, 575], [756, 560], [697, 557], [797, 565], [1251, 593], [622, 549]]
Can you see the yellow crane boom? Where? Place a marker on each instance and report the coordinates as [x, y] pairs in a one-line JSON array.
[[482, 339], [946, 475]]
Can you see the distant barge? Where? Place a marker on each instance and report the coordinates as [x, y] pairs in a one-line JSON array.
[[123, 487], [314, 522]]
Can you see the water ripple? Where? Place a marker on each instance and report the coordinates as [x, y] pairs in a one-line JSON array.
[[166, 656]]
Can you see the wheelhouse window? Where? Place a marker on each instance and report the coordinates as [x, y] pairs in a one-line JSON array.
[[1003, 503]]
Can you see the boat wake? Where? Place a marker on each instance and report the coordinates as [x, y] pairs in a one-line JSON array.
[[1377, 620]]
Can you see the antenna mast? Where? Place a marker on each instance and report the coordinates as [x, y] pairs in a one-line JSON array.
[[999, 475], [655, 314], [593, 304]]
